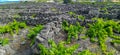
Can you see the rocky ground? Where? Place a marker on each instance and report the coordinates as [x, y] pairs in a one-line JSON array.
[[51, 16]]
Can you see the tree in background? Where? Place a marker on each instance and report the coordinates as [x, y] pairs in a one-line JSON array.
[[67, 1], [70, 1], [41, 0], [58, 1]]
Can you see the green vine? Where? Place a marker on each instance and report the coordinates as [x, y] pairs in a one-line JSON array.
[[10, 27], [101, 30], [33, 32], [4, 41], [72, 30], [57, 49]]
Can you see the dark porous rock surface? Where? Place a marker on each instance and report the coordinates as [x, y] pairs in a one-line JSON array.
[[51, 15]]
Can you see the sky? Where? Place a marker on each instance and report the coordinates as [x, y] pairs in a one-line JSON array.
[[8, 0]]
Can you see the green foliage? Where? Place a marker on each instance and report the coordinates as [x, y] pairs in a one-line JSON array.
[[58, 1], [33, 32], [76, 16], [116, 41], [57, 49], [110, 53], [101, 30], [42, 0], [67, 1], [4, 41], [10, 27], [16, 16], [105, 10], [72, 30], [86, 52], [22, 25], [53, 9], [97, 31], [33, 15], [81, 17], [116, 37], [71, 13]]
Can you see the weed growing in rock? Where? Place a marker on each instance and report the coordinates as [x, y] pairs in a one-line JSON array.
[[105, 10], [86, 52], [53, 9], [4, 41], [57, 49], [33, 15], [81, 17], [101, 30], [16, 16], [72, 30], [116, 37], [76, 16], [116, 41], [22, 25], [71, 13]]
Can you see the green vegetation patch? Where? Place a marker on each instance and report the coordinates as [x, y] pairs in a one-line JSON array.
[[4, 41], [16, 16], [73, 14], [33, 32], [62, 49], [116, 41], [72, 30], [86, 52], [57, 49], [101, 30], [10, 27], [42, 0]]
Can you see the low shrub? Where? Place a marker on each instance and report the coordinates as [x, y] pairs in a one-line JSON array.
[[34, 31], [4, 41], [101, 30], [86, 52], [73, 14], [72, 30], [10, 27], [57, 49]]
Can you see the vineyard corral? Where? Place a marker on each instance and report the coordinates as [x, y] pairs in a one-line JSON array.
[[30, 28]]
